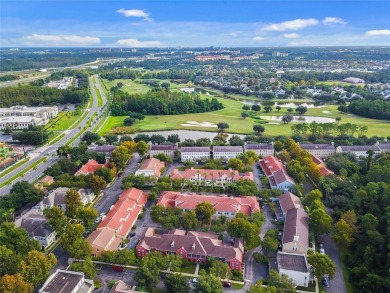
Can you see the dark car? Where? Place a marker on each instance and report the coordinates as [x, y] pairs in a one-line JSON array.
[[131, 234], [325, 282], [118, 269], [226, 284]]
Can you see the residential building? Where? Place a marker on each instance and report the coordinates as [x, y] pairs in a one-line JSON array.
[[360, 151], [288, 201], [67, 282], [38, 229], [44, 182], [384, 147], [209, 177], [276, 173], [323, 169], [227, 152], [194, 153], [296, 231], [122, 287], [151, 167], [224, 205], [168, 150], [294, 266], [104, 149], [86, 195], [261, 149], [353, 80], [90, 167], [54, 198], [319, 150], [192, 246], [116, 225]]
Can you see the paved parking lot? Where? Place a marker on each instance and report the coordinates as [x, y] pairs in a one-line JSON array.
[[106, 274]]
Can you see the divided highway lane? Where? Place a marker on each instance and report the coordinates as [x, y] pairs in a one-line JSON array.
[[49, 151]]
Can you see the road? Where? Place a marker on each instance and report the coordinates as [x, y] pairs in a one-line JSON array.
[[49, 151]]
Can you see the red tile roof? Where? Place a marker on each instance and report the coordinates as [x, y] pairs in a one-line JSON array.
[[244, 204], [90, 167], [211, 175], [154, 165], [323, 170], [274, 170]]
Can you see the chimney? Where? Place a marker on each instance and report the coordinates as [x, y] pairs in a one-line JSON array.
[[193, 246], [173, 244], [296, 238]]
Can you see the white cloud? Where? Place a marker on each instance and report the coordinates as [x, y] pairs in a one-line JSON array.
[[291, 36], [295, 24], [378, 33], [134, 13], [299, 43], [333, 20], [258, 39], [137, 44], [60, 40], [234, 34]]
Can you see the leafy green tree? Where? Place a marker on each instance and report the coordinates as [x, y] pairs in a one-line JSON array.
[[36, 266], [256, 108], [56, 218], [281, 283], [246, 107], [236, 140], [16, 239], [278, 145], [8, 261], [258, 288], [173, 138], [97, 184], [342, 233], [320, 222], [287, 118], [15, 284], [311, 197], [176, 283], [120, 156], [208, 283], [259, 129], [321, 264], [90, 137], [267, 109], [244, 114], [111, 138], [142, 148], [73, 242], [73, 203], [220, 270], [236, 164], [147, 274], [87, 267], [87, 216], [189, 220], [164, 157], [222, 126], [301, 109], [269, 245], [204, 211], [242, 228]]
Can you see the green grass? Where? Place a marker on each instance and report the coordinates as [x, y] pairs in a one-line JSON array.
[[99, 96], [337, 82], [188, 268], [129, 86], [14, 166], [237, 286], [53, 141], [89, 122], [64, 121], [22, 172]]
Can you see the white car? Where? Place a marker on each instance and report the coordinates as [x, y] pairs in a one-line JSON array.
[[102, 215], [97, 220], [195, 280], [322, 251]]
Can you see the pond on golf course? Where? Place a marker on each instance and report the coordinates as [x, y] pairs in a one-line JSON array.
[[307, 119]]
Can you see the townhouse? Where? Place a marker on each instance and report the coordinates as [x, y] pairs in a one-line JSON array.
[[151, 167], [168, 150], [319, 150], [360, 151], [67, 282], [226, 152], [194, 154], [261, 149], [276, 173], [38, 229]]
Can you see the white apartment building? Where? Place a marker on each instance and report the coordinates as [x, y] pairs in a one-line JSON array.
[[168, 150], [294, 266], [194, 153], [227, 152], [360, 151], [261, 149], [319, 150]]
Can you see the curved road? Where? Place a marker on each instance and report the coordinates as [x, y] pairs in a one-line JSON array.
[[49, 151]]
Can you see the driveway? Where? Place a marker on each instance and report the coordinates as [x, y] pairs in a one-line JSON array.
[[106, 274], [256, 175], [337, 284]]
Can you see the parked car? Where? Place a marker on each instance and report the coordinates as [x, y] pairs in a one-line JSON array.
[[97, 220], [118, 269], [322, 251], [325, 282], [226, 284], [195, 280], [102, 215], [132, 234]]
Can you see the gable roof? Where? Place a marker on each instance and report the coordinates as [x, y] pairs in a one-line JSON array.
[[359, 148], [56, 197], [289, 201], [244, 204], [209, 174], [296, 226], [227, 149], [163, 147], [275, 171], [318, 146], [90, 167], [258, 146], [195, 150], [36, 226], [154, 165]]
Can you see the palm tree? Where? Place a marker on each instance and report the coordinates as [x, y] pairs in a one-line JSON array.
[[370, 154]]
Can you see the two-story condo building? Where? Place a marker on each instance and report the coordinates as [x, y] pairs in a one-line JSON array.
[[296, 231], [38, 229], [319, 150], [360, 151], [192, 246], [194, 154], [276, 173], [168, 150], [67, 282], [151, 167], [227, 152], [90, 167], [224, 205], [295, 266], [209, 177], [261, 149]]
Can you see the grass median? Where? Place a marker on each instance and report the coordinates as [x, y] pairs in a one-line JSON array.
[[89, 123], [13, 167], [20, 174]]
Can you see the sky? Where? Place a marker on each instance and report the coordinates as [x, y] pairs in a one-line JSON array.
[[193, 23]]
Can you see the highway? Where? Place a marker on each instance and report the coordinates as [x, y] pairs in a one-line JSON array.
[[50, 151]]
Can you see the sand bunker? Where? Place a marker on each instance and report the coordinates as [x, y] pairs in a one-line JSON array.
[[199, 124], [327, 112]]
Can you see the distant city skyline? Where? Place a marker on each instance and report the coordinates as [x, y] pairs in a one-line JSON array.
[[185, 23]]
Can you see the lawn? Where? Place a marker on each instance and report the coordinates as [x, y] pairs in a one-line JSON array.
[[232, 115], [129, 86], [14, 166], [99, 96], [188, 268], [63, 121], [236, 286]]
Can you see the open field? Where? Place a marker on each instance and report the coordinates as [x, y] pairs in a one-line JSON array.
[[129, 86], [63, 121], [231, 114], [337, 82]]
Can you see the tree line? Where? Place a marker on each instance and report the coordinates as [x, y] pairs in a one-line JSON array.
[[162, 102], [371, 109]]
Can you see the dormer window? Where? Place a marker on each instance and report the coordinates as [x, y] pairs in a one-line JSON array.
[[173, 244]]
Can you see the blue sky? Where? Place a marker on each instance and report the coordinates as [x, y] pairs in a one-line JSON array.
[[122, 23]]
